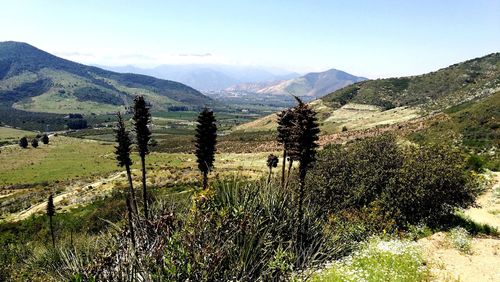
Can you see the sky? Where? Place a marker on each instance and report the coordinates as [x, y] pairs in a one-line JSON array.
[[374, 39]]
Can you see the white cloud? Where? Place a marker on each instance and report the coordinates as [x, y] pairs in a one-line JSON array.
[[143, 60]]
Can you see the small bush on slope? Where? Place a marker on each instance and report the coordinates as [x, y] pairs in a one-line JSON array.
[[460, 239]]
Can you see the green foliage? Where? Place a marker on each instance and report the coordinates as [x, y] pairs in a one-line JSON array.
[[24, 255], [97, 95], [458, 219], [473, 125], [31, 120], [23, 142], [34, 143], [236, 230], [344, 95], [123, 139], [476, 163], [78, 123], [410, 185], [205, 141], [45, 139], [51, 211], [141, 118]]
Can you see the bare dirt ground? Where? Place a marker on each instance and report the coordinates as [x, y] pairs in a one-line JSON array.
[[488, 210], [482, 263]]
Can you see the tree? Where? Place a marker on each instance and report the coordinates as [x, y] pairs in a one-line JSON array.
[[51, 211], [122, 153], [142, 118], [23, 142], [272, 161], [77, 124], [34, 143], [284, 137], [205, 141], [306, 134], [45, 139]]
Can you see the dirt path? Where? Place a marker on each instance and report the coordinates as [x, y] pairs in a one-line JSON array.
[[488, 211], [449, 264], [482, 263], [72, 196]]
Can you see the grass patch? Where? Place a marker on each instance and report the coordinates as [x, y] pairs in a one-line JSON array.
[[379, 260], [12, 135], [62, 159], [460, 239], [474, 228]]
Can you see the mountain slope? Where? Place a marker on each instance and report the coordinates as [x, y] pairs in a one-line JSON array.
[[372, 103], [34, 80], [209, 77], [312, 84], [476, 123], [437, 90]]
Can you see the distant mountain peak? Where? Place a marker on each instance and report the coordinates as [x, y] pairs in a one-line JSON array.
[[314, 84]]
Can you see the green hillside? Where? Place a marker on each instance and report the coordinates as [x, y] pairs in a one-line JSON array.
[[35, 81], [474, 124], [437, 90], [373, 103]]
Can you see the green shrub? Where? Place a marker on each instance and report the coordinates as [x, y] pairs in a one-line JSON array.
[[476, 163], [460, 239], [409, 185]]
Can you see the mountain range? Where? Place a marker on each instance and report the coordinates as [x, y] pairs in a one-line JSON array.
[[314, 84], [209, 77], [36, 81]]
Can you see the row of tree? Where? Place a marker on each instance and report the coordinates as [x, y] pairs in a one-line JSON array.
[[23, 142], [141, 119], [205, 139]]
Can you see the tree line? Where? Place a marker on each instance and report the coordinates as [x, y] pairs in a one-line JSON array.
[[23, 141]]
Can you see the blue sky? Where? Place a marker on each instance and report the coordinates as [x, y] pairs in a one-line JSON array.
[[368, 38]]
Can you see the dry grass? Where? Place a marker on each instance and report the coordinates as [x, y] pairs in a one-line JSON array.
[[79, 171], [332, 120], [12, 135]]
